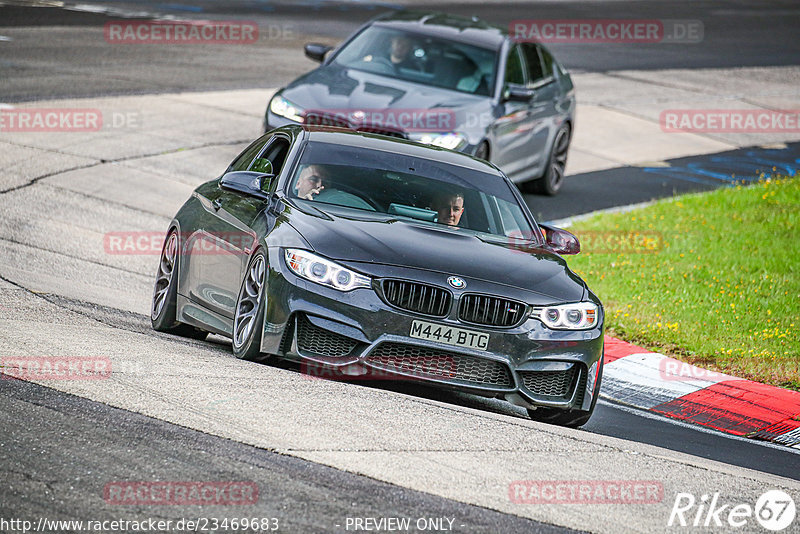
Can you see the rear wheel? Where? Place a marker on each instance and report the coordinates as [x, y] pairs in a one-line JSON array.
[[568, 418], [553, 178], [249, 315], [165, 293]]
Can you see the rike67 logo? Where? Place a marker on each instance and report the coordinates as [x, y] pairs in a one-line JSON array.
[[774, 510]]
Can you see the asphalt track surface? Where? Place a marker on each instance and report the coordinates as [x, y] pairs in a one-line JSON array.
[[68, 442]]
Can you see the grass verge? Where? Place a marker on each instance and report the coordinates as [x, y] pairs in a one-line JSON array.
[[712, 279]]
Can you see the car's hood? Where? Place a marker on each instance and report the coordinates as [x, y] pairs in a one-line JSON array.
[[336, 88], [449, 251]]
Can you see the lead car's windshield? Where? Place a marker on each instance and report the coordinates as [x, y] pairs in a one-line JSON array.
[[422, 59], [359, 182]]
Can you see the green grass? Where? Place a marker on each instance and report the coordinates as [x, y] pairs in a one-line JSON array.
[[712, 279]]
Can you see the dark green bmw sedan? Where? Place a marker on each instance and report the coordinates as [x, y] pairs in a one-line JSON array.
[[375, 256]]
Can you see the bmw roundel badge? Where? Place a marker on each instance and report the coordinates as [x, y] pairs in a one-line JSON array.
[[456, 282]]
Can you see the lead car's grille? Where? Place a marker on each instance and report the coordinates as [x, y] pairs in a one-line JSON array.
[[493, 311], [550, 383], [416, 297], [311, 338], [432, 363]]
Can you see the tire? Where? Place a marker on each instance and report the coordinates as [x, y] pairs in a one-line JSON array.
[[553, 178], [249, 313], [483, 151], [568, 418], [165, 293]]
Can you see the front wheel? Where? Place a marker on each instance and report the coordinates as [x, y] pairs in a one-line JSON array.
[[249, 316], [569, 418], [553, 178], [165, 293]]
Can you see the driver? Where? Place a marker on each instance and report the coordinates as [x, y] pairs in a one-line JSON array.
[[400, 53], [310, 182]]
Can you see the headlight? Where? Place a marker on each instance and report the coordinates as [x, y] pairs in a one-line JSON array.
[[577, 316], [321, 271], [280, 106], [447, 140]]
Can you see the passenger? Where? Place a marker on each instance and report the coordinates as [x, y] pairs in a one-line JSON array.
[[450, 207], [310, 182]]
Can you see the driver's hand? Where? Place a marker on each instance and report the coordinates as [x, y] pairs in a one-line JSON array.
[[311, 194]]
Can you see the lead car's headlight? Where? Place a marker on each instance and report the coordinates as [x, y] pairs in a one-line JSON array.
[[576, 316], [322, 271]]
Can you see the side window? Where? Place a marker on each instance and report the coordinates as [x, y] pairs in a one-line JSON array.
[[242, 161], [514, 70], [276, 153], [548, 61], [535, 71]]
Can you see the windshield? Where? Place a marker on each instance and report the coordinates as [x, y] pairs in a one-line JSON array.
[[372, 183], [422, 59]]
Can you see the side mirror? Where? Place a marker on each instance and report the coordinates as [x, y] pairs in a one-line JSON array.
[[518, 93], [316, 51], [248, 182], [560, 241]]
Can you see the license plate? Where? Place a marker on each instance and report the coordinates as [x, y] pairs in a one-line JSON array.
[[457, 337]]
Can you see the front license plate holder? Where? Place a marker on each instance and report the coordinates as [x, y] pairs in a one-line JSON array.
[[457, 337]]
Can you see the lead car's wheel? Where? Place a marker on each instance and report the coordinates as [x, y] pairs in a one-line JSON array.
[[165, 293], [569, 418], [553, 178], [249, 316]]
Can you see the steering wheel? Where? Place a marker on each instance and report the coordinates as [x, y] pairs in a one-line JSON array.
[[385, 63]]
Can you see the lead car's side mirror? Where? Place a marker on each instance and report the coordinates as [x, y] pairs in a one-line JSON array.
[[560, 241], [316, 51], [517, 93]]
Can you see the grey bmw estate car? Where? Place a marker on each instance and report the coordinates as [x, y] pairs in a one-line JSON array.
[[449, 81], [365, 254]]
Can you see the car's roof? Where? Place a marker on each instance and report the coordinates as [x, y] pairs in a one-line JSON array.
[[471, 30], [343, 136]]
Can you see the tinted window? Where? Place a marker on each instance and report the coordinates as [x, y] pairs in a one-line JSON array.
[[548, 61], [534, 64], [384, 184], [514, 69], [242, 161], [421, 58], [276, 154]]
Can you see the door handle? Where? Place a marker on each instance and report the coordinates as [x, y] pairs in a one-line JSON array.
[[216, 204]]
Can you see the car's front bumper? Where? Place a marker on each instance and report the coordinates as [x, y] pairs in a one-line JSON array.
[[358, 333]]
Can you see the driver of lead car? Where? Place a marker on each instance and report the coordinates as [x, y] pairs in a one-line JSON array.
[[399, 53], [310, 182]]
